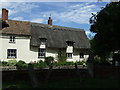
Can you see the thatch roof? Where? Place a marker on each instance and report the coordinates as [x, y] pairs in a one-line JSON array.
[[17, 28], [57, 36]]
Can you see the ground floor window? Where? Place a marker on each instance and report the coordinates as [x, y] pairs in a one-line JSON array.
[[41, 52], [11, 53], [81, 55], [69, 55]]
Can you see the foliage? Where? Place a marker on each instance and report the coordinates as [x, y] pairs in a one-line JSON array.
[[61, 55], [49, 60], [98, 60], [116, 57], [40, 64], [0, 63], [80, 62], [106, 25], [12, 62], [21, 64], [3, 63], [63, 63]]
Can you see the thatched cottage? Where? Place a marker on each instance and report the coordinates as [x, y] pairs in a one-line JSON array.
[[29, 41]]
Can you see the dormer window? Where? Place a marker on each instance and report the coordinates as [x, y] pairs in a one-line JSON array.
[[69, 43], [43, 41], [12, 39]]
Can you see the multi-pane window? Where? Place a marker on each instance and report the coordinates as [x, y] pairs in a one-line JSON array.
[[12, 39], [41, 52], [69, 55], [11, 53], [81, 55]]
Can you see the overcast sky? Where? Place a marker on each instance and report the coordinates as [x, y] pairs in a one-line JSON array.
[[68, 14]]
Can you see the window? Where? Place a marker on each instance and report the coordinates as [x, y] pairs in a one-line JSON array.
[[69, 55], [43, 41], [69, 43], [81, 55], [11, 53], [41, 53], [12, 39]]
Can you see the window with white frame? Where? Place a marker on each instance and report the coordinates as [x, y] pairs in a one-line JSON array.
[[69, 55], [41, 52], [81, 55], [11, 53], [12, 39]]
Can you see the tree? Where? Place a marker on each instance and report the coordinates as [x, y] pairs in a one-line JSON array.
[[106, 25]]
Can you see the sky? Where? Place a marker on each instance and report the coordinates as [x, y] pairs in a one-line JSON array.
[[68, 14]]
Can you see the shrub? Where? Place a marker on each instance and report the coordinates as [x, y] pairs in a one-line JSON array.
[[40, 64], [21, 65], [12, 62], [63, 63], [80, 62], [62, 55], [49, 60], [0, 63], [4, 63]]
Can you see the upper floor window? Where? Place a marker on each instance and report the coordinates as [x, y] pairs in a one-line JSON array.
[[41, 52], [81, 55], [12, 39], [69, 43], [69, 55], [11, 53], [43, 41]]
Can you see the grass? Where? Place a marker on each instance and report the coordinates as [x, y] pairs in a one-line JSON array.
[[71, 83]]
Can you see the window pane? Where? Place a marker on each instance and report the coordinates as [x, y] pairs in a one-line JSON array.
[[81, 55], [69, 55], [12, 38], [11, 53], [41, 52]]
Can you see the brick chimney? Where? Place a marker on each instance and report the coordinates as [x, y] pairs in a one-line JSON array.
[[49, 21], [4, 14]]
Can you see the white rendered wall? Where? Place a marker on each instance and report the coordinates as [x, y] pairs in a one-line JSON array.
[[28, 54], [22, 44]]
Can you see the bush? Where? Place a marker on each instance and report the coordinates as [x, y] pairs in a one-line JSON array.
[[80, 62], [12, 62], [63, 63], [40, 64], [4, 63], [49, 60], [21, 65], [62, 55], [0, 63], [101, 61]]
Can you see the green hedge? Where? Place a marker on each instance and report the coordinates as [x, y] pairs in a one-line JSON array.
[[63, 63], [49, 60], [12, 62], [40, 64], [21, 65]]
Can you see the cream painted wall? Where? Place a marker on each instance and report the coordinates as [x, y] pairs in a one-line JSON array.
[[28, 53], [22, 44]]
